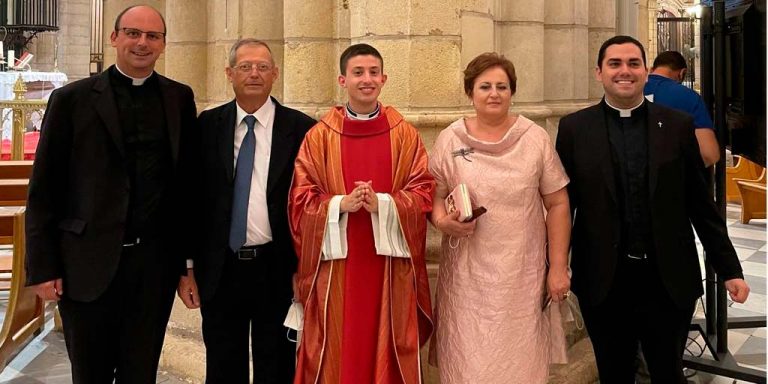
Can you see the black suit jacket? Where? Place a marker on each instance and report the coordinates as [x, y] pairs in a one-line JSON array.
[[218, 130], [677, 198], [79, 188]]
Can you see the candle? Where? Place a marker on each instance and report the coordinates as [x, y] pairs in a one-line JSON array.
[[11, 58]]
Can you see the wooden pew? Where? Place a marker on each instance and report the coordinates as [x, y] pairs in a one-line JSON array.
[[15, 169], [752, 200], [743, 169], [25, 316], [13, 192]]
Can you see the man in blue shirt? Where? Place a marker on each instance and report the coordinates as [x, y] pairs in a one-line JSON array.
[[663, 87]]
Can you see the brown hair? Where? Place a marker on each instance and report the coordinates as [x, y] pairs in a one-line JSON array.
[[484, 62]]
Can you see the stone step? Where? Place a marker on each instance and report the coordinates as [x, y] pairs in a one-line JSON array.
[[184, 353]]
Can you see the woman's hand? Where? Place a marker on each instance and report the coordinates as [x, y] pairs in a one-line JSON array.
[[558, 283], [450, 225]]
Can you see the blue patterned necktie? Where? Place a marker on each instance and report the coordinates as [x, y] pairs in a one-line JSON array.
[[243, 173]]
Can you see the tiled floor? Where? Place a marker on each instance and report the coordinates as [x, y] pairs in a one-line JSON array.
[[748, 346], [44, 360]]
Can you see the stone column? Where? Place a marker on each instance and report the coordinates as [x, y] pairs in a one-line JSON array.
[[74, 40], [223, 29], [520, 30], [566, 53], [310, 66], [477, 30], [602, 26], [186, 53], [421, 46], [566, 60], [650, 45]]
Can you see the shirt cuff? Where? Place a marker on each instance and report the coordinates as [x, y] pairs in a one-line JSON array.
[[335, 238], [387, 234]]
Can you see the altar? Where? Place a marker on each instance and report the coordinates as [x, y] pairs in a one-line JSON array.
[[39, 86]]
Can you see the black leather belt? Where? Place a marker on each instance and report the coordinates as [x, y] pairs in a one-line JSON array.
[[253, 252]]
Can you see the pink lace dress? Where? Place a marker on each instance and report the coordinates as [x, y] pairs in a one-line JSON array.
[[490, 322]]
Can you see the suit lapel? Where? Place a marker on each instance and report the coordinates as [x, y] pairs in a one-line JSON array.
[[601, 148], [103, 100], [172, 115], [226, 136], [282, 133]]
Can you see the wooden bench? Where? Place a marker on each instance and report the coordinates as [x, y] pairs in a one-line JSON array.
[[15, 169], [13, 192], [752, 200], [743, 169], [24, 317]]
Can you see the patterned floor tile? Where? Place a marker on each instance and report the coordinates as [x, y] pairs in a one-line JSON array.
[[757, 257]]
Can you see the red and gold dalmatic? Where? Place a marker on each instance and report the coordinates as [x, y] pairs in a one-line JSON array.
[[366, 316]]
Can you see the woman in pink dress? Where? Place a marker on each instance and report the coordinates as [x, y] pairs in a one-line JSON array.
[[494, 281]]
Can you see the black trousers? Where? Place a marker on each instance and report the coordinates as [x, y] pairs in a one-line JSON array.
[[119, 335], [638, 309], [250, 304]]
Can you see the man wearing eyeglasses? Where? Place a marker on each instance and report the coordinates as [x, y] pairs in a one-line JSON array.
[[108, 214], [246, 261]]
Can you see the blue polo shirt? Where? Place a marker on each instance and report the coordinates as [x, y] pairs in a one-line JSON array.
[[672, 94]]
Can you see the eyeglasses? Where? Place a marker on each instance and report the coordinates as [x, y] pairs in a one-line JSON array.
[[248, 67], [135, 34]]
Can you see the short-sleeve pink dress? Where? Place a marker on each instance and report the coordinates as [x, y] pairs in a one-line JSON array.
[[491, 287]]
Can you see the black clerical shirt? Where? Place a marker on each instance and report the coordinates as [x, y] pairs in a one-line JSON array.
[[147, 152], [629, 153]]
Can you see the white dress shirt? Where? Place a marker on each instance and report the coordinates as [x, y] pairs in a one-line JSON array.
[[259, 230]]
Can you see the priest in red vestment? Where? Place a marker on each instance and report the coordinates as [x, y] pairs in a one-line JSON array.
[[358, 206]]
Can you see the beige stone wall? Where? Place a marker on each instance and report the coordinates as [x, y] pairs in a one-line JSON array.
[[425, 43], [69, 48]]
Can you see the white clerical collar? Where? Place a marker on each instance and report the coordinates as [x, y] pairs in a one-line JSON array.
[[135, 80], [363, 116], [625, 112]]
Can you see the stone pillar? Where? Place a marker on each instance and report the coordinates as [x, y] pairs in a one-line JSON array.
[[186, 54], [111, 9], [650, 45], [627, 18], [520, 29], [73, 39], [641, 31], [421, 46], [310, 66], [477, 30], [566, 52], [223, 29], [602, 26], [263, 20]]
